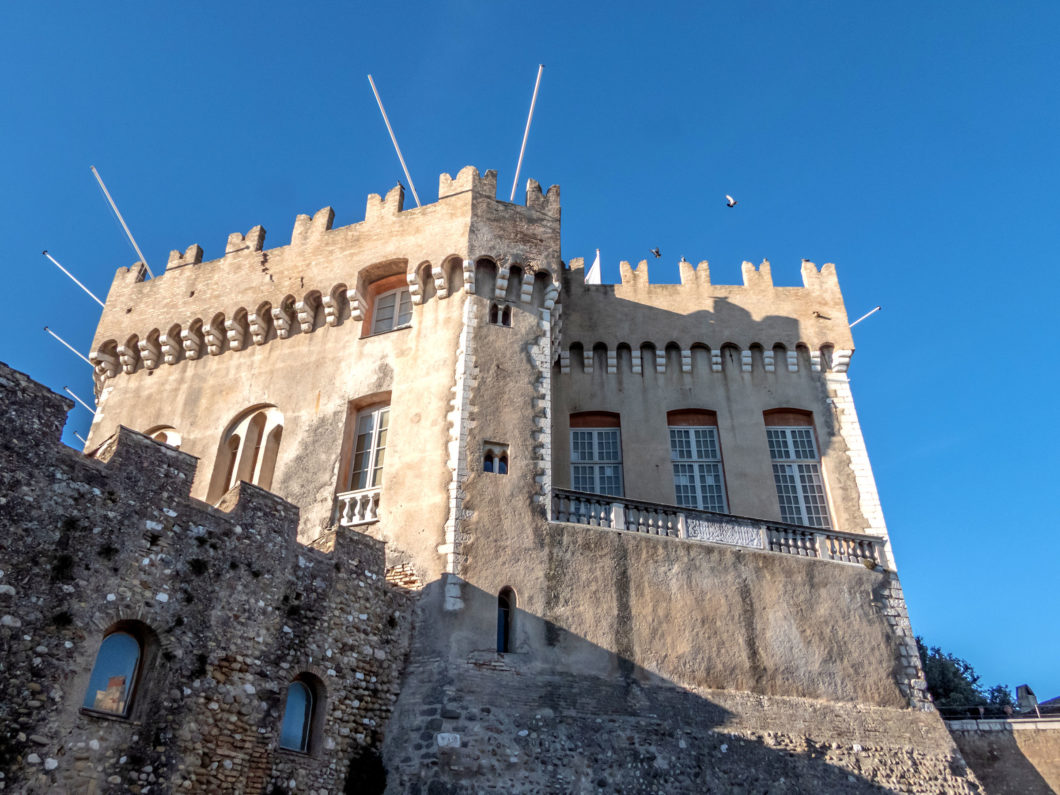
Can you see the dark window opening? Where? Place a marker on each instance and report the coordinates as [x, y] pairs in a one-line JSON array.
[[505, 609]]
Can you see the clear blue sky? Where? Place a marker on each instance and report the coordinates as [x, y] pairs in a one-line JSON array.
[[913, 144]]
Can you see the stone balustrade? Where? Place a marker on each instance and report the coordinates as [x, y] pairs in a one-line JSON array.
[[618, 513], [358, 507]]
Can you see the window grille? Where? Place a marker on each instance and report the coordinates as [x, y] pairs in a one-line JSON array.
[[797, 475], [699, 481], [596, 460]]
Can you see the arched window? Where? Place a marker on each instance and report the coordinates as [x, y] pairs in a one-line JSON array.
[[166, 435], [301, 714], [493, 314], [505, 611], [596, 453], [495, 457], [797, 467], [699, 480], [506, 316], [248, 451], [112, 685]]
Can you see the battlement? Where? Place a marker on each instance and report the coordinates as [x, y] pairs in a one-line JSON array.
[[756, 315], [324, 276]]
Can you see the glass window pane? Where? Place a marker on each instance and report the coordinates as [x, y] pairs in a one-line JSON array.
[[110, 685], [788, 493], [680, 444], [384, 313], [405, 308], [297, 714]]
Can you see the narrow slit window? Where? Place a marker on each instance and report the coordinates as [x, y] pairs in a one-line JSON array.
[[505, 609]]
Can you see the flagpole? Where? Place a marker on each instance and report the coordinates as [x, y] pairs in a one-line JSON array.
[[68, 345], [79, 400], [394, 139], [124, 225], [75, 281], [526, 132]]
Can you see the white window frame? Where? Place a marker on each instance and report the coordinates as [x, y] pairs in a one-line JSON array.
[[373, 470], [704, 466], [596, 467], [402, 297], [797, 475]]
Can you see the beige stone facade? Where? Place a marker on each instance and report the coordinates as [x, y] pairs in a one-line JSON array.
[[438, 380]]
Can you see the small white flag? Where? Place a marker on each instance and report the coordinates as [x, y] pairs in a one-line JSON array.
[[592, 276]]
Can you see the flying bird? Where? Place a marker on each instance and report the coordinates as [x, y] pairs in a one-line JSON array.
[[656, 252], [730, 201]]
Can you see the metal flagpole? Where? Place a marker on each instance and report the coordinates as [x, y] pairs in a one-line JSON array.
[[68, 345], [81, 438], [64, 270], [67, 390], [394, 139], [870, 312], [526, 133], [124, 225]]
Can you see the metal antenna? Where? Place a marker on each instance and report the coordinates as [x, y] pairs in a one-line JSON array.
[[124, 225], [68, 345], [870, 312], [526, 133], [68, 391], [81, 438], [394, 139], [75, 281]]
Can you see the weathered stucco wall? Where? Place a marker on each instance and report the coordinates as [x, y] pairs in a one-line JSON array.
[[231, 608], [1011, 757]]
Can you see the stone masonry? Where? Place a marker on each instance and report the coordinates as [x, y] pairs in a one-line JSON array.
[[232, 608]]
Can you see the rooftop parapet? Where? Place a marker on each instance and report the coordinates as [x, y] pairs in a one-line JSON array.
[[699, 311]]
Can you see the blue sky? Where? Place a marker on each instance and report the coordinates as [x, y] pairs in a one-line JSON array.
[[915, 145]]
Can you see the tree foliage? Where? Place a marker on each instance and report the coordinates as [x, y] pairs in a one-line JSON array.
[[953, 682]]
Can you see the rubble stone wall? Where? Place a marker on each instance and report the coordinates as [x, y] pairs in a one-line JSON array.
[[229, 606]]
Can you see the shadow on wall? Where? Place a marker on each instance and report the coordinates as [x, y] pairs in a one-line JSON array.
[[487, 720]]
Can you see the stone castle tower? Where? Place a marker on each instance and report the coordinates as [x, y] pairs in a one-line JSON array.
[[528, 534]]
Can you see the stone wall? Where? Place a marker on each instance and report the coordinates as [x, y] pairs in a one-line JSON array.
[[228, 606], [1011, 757], [489, 724]]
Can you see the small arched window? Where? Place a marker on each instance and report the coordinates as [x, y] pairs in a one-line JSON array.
[[506, 316], [505, 611], [487, 462], [502, 465], [112, 685], [299, 714], [166, 435], [493, 314]]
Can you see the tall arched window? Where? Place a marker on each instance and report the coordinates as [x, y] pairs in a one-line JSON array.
[[797, 467], [248, 451], [699, 481], [505, 611], [112, 685], [301, 713], [596, 453]]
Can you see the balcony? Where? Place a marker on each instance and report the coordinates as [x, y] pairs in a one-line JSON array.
[[358, 507], [619, 513]]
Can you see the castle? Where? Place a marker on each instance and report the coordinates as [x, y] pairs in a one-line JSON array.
[[408, 499]]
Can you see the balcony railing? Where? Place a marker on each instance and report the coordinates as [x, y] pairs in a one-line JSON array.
[[670, 520], [358, 507]]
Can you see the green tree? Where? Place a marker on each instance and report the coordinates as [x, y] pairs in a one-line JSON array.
[[953, 682]]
